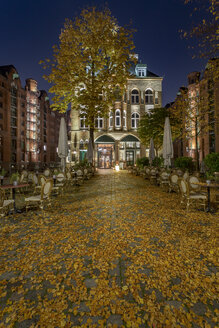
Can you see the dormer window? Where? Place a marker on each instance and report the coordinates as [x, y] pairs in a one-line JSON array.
[[141, 72]]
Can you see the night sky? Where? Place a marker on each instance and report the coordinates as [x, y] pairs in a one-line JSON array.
[[29, 29]]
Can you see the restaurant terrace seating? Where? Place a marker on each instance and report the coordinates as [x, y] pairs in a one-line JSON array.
[[189, 198], [41, 199], [5, 204]]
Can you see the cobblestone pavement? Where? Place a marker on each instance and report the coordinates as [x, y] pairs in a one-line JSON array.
[[115, 252]]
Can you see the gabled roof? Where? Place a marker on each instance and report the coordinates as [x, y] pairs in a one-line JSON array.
[[6, 69]]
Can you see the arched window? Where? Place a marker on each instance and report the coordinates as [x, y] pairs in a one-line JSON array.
[[124, 118], [118, 118], [135, 119], [83, 123], [111, 119], [99, 122], [149, 98], [135, 96]]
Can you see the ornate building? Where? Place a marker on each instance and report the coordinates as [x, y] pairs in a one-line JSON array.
[[116, 138]]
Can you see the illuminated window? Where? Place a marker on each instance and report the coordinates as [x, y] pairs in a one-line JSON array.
[[118, 118], [135, 120], [111, 119], [83, 122], [124, 118], [99, 122]]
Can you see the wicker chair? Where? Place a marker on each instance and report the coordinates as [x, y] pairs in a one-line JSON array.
[[41, 199], [189, 198], [5, 204]]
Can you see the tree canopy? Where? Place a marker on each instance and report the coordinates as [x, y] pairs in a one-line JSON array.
[[151, 125], [93, 58], [205, 28]]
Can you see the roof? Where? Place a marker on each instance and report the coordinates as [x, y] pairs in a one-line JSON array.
[[105, 139], [6, 69], [132, 70], [129, 138]]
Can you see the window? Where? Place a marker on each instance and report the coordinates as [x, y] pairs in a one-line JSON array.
[[99, 122], [149, 99], [83, 123], [111, 119], [124, 118], [118, 118], [141, 72], [135, 96], [134, 120]]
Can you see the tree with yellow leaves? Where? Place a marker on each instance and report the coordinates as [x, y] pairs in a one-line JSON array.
[[92, 59]]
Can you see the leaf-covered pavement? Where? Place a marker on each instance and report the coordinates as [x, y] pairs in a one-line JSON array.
[[115, 252]]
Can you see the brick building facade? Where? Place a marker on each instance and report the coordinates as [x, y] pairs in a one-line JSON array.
[[202, 93], [28, 128]]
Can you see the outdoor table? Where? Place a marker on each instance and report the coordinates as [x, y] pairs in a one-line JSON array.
[[208, 186], [13, 188]]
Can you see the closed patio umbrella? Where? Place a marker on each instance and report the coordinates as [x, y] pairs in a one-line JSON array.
[[90, 152], [151, 151], [167, 143], [63, 143]]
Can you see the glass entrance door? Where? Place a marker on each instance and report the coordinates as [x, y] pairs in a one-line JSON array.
[[105, 156], [129, 157]]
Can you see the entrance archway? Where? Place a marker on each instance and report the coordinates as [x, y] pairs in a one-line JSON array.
[[105, 152]]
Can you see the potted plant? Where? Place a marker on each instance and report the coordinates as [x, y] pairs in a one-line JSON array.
[[14, 178], [212, 163]]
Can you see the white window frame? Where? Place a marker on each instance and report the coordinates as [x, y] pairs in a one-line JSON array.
[[118, 116], [135, 96], [135, 117], [83, 122], [111, 119], [141, 72], [124, 119], [150, 97], [99, 122]]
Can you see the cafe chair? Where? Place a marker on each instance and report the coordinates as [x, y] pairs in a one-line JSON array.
[[164, 179], [193, 186], [41, 199], [60, 181], [173, 182], [5, 204], [189, 198], [79, 177]]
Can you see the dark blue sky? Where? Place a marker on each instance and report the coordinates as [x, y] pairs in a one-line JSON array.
[[29, 29]]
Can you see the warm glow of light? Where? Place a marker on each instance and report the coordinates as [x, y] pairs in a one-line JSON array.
[[117, 167]]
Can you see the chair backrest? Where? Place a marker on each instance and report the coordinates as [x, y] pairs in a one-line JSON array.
[[68, 175], [179, 172], [85, 171], [42, 180], [174, 178], [46, 172], [60, 177], [29, 178], [79, 173], [46, 189], [164, 175], [2, 197], [35, 179], [183, 186], [23, 177], [185, 175], [192, 180], [25, 173]]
